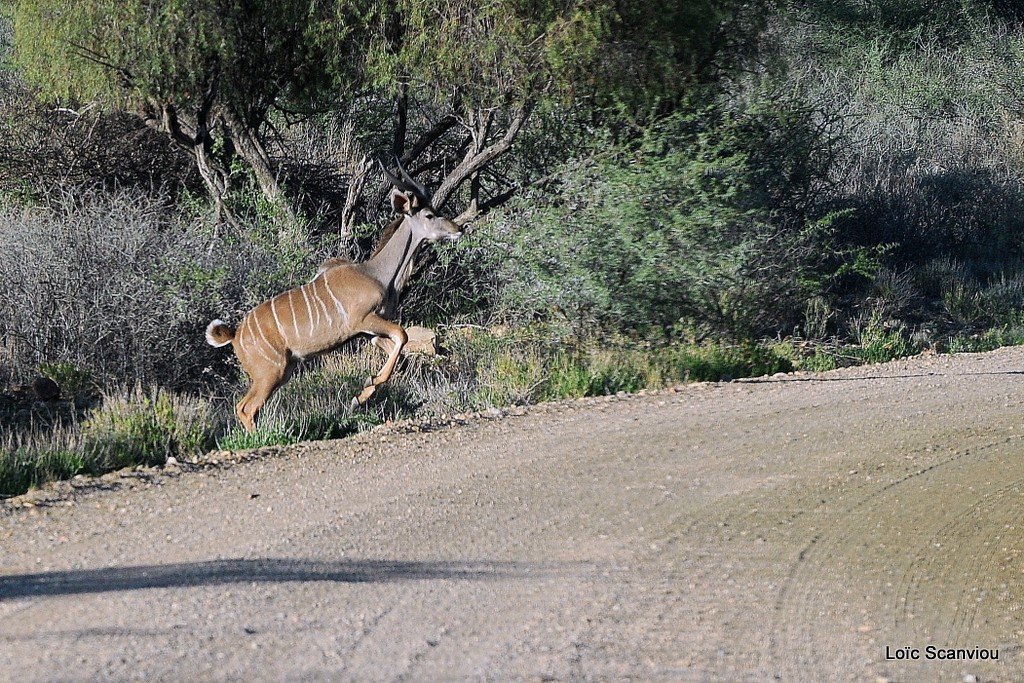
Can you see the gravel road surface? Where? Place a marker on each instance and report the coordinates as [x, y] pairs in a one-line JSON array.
[[860, 525]]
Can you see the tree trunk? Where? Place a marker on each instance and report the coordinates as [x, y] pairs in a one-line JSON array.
[[356, 183], [218, 183], [163, 117], [251, 149], [401, 121]]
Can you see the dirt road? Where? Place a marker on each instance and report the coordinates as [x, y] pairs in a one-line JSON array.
[[796, 528]]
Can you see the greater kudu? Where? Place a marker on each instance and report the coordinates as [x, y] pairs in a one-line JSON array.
[[342, 301]]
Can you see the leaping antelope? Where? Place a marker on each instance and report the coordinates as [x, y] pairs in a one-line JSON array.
[[342, 301]]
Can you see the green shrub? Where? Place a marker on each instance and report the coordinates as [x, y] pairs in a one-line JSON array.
[[71, 379], [511, 376], [931, 160], [822, 359], [596, 372], [878, 342], [144, 428], [692, 227], [989, 340]]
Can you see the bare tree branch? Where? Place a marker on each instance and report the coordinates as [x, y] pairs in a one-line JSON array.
[[428, 138], [477, 208], [125, 75], [478, 156]]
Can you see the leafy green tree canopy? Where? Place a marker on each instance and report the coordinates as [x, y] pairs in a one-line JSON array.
[[211, 73], [206, 73], [254, 53]]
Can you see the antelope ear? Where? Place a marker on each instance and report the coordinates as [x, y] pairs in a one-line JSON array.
[[401, 202]]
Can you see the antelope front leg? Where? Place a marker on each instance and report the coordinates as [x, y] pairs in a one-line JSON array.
[[383, 343], [380, 327]]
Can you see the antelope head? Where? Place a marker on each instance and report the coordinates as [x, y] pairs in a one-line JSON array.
[[411, 200], [424, 222]]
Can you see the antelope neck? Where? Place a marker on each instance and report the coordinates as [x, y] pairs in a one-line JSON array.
[[393, 259]]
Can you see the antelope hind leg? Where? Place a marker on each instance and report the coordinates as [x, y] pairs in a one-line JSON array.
[[257, 396]]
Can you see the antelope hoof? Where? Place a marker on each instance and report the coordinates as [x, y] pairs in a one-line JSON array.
[[368, 383], [355, 403]]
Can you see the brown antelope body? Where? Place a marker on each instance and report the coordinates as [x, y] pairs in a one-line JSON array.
[[342, 301]]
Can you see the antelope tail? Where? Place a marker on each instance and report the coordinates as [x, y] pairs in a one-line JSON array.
[[219, 333]]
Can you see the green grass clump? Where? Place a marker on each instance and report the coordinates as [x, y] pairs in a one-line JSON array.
[[144, 428], [316, 405], [989, 340], [312, 427], [137, 427], [533, 368], [24, 466], [716, 362]]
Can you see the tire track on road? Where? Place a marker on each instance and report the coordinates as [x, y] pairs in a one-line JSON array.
[[969, 561], [852, 553]]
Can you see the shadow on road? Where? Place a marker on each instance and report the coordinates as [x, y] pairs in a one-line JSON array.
[[215, 572]]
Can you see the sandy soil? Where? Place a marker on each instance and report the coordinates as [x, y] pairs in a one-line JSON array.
[[794, 528]]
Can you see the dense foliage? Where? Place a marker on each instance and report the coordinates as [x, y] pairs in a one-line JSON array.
[[684, 231]]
